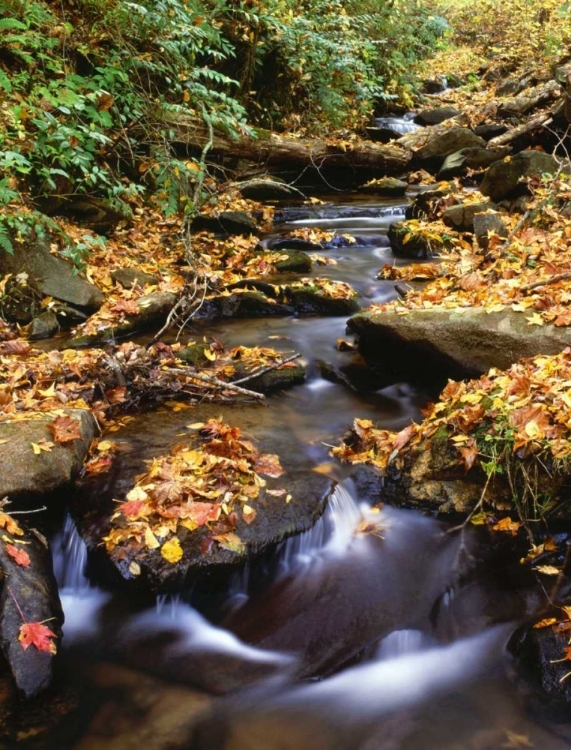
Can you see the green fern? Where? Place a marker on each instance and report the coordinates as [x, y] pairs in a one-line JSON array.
[[5, 241]]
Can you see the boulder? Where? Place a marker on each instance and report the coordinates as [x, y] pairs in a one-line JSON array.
[[130, 277], [263, 189], [295, 262], [429, 204], [43, 326], [488, 225], [226, 223], [153, 310], [89, 211], [415, 242], [450, 343], [277, 517], [26, 473], [503, 178], [461, 217], [49, 275], [435, 116], [28, 594], [440, 144], [470, 158], [489, 130]]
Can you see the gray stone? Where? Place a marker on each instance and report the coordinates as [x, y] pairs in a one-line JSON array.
[[385, 186], [461, 217], [268, 190], [226, 223], [486, 225], [43, 326], [438, 147], [489, 130], [52, 276], [31, 596], [130, 277], [450, 343], [435, 116], [153, 310], [470, 158], [502, 179], [25, 474]]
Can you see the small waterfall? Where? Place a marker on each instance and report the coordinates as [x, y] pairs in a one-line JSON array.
[[330, 536], [399, 125], [400, 643], [70, 558]]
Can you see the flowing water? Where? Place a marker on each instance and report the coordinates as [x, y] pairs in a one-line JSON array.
[[377, 629]]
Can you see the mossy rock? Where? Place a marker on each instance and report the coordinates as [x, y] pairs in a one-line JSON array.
[[274, 380], [296, 262], [415, 242]]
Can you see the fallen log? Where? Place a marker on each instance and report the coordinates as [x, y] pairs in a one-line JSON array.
[[534, 123], [278, 151]]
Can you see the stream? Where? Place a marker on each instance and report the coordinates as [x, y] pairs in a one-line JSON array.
[[377, 629]]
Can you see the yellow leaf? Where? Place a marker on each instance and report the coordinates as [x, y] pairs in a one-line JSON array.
[[135, 569], [171, 550], [36, 448], [49, 392], [137, 493], [545, 623], [548, 570], [188, 523], [195, 426], [479, 519], [150, 539], [535, 320], [104, 446]]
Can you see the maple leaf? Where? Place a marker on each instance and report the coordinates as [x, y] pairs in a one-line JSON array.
[[507, 525], [135, 509], [38, 635], [168, 490], [18, 554], [65, 429], [230, 541], [269, 465], [202, 513]]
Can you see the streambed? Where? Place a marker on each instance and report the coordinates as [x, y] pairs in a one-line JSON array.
[[376, 629]]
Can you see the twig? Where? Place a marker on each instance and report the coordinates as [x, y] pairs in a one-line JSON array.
[[264, 370], [544, 282], [218, 383]]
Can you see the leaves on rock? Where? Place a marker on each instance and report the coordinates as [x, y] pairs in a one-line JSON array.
[[38, 635], [19, 555]]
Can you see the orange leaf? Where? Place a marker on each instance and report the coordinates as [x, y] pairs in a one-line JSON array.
[[38, 635], [19, 555], [11, 526]]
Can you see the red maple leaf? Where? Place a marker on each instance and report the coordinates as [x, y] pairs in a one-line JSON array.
[[134, 509], [19, 555], [39, 635], [65, 429]]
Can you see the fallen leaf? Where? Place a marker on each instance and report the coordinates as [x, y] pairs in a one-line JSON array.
[[11, 526], [171, 550], [39, 635], [548, 570], [19, 555], [545, 623], [65, 429]]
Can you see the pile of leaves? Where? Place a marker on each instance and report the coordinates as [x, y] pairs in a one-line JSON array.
[[206, 486], [506, 422], [530, 272]]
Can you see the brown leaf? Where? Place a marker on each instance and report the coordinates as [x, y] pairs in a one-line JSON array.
[[65, 429]]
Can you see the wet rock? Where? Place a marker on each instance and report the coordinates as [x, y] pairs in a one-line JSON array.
[[461, 217], [385, 186], [276, 519], [29, 595], [153, 310], [263, 189], [502, 179], [295, 243], [226, 223], [130, 277], [441, 144], [194, 355], [43, 326], [429, 204], [49, 275], [540, 652], [274, 380], [414, 242], [27, 474], [487, 225], [295, 262], [470, 158], [245, 303], [435, 116], [450, 343], [436, 85], [489, 130]]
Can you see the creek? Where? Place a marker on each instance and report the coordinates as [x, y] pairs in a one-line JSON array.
[[377, 629]]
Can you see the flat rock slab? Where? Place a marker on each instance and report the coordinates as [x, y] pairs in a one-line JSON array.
[[25, 474], [450, 343], [154, 435]]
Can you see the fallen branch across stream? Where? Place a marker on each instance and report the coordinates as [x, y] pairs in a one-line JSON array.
[[263, 370]]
